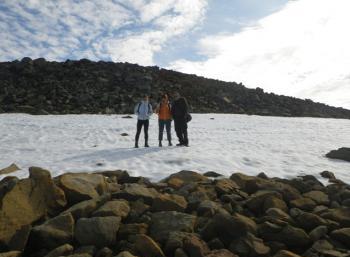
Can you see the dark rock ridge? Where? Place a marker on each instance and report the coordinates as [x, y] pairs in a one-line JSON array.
[[342, 153], [111, 213], [42, 87]]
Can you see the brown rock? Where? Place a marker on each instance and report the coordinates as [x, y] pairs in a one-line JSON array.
[[318, 196], [225, 186], [340, 215], [133, 192], [221, 253], [342, 235], [82, 186], [249, 245], [146, 247], [186, 177], [36, 197], [11, 254], [125, 254], [285, 253], [166, 202], [53, 233], [62, 250], [309, 221], [303, 203], [274, 202], [119, 208], [195, 247], [12, 168], [126, 230]]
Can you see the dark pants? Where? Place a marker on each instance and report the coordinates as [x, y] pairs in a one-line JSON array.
[[145, 124], [181, 130], [167, 125]]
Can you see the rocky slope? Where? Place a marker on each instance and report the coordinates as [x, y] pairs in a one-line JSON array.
[[41, 87], [111, 213]]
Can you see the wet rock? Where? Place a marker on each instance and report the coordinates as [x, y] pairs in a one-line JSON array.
[[133, 192], [53, 233], [98, 231], [119, 208], [82, 186], [169, 221], [166, 202]]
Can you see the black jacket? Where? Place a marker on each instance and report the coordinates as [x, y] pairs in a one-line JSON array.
[[179, 108]]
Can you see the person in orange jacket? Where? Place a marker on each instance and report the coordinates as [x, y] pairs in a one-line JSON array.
[[163, 110]]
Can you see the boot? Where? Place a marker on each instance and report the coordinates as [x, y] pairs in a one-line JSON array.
[[136, 145], [170, 144], [146, 143], [160, 143]]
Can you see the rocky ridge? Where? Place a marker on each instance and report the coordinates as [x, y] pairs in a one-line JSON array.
[[187, 214], [74, 87]]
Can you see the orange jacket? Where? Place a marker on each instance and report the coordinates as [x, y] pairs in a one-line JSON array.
[[164, 111]]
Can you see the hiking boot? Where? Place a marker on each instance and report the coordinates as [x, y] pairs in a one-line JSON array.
[[180, 144], [136, 145], [160, 144], [146, 145], [170, 144]]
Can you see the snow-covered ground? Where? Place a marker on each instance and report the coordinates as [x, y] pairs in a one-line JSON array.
[[284, 147]]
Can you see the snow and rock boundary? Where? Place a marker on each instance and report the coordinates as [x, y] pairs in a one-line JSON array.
[[111, 213]]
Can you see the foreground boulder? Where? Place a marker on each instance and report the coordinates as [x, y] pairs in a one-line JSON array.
[[98, 231], [82, 186], [35, 197], [341, 154]]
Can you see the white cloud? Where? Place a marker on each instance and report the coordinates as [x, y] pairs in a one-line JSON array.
[[301, 50], [121, 30]]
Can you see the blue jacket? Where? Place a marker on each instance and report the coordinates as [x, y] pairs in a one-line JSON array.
[[143, 110]]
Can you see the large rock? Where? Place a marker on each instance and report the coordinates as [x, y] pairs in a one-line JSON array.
[[62, 250], [185, 177], [82, 186], [98, 231], [285, 253], [221, 253], [225, 186], [286, 234], [309, 221], [11, 254], [169, 221], [146, 247], [303, 203], [318, 196], [166, 202], [119, 208], [340, 215], [85, 208], [35, 196], [227, 226], [126, 230], [53, 233], [342, 235], [12, 168], [342, 153], [133, 192], [195, 247], [249, 246]]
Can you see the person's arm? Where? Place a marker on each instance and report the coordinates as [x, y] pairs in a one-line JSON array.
[[185, 106]]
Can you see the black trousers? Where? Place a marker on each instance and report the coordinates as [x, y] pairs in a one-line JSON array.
[[181, 130], [167, 125], [145, 125]]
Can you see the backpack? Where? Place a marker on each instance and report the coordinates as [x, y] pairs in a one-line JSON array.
[[138, 108]]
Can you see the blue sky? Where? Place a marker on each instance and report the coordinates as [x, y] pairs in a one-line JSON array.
[[297, 48]]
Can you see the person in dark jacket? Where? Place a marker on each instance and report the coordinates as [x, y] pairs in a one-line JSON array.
[[179, 110]]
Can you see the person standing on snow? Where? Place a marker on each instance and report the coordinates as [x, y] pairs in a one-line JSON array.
[[143, 110], [179, 110], [163, 110]]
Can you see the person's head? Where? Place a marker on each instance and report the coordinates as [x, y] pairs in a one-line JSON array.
[[146, 98], [177, 95], [165, 98]]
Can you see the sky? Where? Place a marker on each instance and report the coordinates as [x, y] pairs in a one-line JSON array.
[[297, 48]]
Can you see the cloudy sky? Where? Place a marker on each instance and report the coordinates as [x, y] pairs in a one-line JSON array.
[[299, 48]]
